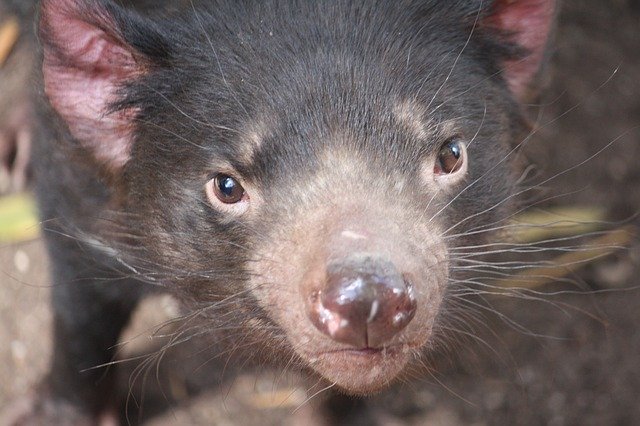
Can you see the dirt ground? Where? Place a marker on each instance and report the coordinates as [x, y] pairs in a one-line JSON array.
[[570, 359]]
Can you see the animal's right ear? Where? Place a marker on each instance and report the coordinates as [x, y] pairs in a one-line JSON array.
[[91, 49]]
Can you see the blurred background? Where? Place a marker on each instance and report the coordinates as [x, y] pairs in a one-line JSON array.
[[563, 350]]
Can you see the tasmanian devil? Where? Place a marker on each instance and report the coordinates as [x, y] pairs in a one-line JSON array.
[[301, 174]]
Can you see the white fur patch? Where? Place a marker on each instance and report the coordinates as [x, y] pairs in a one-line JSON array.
[[412, 115]]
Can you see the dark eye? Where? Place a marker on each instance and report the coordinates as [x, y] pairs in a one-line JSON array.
[[450, 158], [227, 189]]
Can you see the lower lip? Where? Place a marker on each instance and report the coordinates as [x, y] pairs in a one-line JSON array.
[[361, 371], [366, 352]]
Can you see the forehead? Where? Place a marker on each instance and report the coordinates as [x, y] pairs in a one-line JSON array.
[[382, 87], [382, 122], [393, 139]]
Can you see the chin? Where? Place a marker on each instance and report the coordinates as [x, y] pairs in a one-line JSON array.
[[361, 371]]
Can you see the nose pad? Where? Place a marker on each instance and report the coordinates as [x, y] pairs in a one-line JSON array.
[[364, 303]]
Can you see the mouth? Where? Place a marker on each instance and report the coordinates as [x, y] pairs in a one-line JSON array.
[[366, 352], [362, 371]]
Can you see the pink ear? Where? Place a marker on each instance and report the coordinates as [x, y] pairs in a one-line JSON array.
[[526, 23], [85, 63]]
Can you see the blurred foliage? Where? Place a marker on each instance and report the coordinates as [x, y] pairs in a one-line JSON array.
[[18, 218], [9, 33], [538, 225]]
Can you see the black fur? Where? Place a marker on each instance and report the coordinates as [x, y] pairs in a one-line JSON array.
[[307, 69]]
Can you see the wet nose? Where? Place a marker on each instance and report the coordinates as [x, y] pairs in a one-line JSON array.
[[365, 302]]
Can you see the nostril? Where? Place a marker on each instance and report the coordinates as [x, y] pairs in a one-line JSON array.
[[407, 303], [327, 317]]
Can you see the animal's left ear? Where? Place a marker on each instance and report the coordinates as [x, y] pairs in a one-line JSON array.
[[526, 24]]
